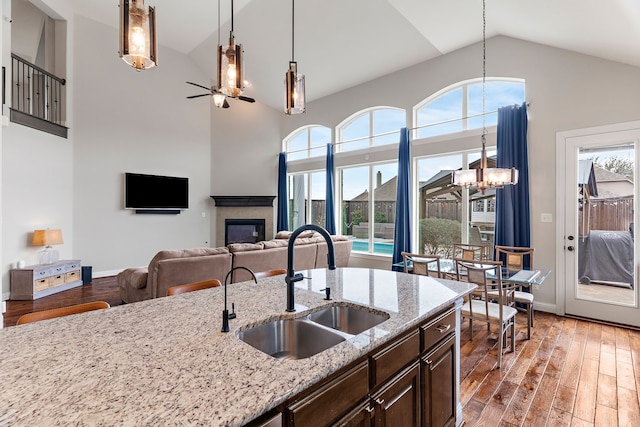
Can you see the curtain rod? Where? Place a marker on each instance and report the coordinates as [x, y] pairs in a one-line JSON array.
[[411, 129]]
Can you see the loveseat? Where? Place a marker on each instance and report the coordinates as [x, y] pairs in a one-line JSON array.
[[176, 267]]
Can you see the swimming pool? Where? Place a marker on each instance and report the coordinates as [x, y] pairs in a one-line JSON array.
[[378, 247]]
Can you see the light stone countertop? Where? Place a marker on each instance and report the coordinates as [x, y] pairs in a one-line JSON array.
[[165, 362]]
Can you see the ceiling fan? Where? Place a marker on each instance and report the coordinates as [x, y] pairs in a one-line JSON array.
[[213, 91]]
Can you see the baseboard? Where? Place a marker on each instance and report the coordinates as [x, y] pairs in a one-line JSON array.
[[546, 307], [107, 273]]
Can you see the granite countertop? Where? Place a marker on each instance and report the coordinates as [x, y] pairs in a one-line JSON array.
[[165, 361]]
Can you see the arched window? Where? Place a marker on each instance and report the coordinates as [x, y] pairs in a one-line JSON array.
[[459, 107], [371, 128], [306, 142]]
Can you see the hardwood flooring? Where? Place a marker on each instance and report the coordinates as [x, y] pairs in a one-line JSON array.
[[570, 373]]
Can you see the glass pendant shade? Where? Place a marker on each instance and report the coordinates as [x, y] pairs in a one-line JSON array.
[[138, 45], [484, 177], [218, 99], [230, 69], [294, 102]]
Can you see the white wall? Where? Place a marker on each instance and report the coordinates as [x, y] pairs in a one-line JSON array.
[[129, 121], [245, 146]]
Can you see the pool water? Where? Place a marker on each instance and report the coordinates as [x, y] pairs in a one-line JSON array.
[[378, 247]]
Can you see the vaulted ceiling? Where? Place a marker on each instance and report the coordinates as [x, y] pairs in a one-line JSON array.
[[341, 43]]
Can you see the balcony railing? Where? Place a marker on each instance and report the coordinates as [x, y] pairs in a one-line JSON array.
[[37, 97]]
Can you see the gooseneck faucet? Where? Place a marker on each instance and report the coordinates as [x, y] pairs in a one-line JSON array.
[[292, 277], [225, 313]]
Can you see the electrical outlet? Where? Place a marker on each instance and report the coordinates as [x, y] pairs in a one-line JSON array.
[[546, 217]]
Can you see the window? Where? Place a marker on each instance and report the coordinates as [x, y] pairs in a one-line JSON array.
[[459, 107], [375, 127], [369, 206], [306, 142], [305, 209]]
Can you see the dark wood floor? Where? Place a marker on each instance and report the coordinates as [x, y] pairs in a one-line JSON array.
[[570, 373], [103, 289]]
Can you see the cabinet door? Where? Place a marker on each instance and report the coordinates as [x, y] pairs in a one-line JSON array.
[[362, 416], [398, 401], [439, 385], [331, 401]]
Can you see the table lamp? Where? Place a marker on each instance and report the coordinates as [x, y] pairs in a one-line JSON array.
[[47, 238]]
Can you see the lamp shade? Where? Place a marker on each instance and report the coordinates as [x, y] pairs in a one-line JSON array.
[[230, 69], [47, 237], [138, 45], [294, 102]]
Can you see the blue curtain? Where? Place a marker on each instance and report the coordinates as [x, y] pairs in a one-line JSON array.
[[330, 215], [283, 199], [402, 231], [513, 222]]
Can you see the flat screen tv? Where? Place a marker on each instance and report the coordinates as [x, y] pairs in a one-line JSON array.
[[155, 192]]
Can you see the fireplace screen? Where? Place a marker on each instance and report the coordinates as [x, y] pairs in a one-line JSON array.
[[243, 231]]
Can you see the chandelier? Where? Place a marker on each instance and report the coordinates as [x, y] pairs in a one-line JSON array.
[[294, 102], [484, 177]]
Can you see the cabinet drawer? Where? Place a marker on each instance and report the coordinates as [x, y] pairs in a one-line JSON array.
[[435, 331], [73, 266], [395, 357], [41, 284], [332, 401], [72, 276], [56, 280]]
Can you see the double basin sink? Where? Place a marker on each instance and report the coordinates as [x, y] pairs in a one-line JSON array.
[[312, 334]]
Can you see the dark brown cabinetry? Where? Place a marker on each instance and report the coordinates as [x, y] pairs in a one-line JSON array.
[[409, 381]]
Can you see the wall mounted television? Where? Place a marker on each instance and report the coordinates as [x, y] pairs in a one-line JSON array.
[[155, 193]]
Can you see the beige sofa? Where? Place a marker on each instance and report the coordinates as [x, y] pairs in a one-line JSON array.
[[171, 268]]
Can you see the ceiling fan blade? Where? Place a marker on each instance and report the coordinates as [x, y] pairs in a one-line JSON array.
[[198, 96], [246, 98], [226, 104], [203, 87]]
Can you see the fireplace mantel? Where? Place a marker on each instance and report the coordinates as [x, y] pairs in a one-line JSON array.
[[241, 201]]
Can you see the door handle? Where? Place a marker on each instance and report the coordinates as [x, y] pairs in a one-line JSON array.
[[570, 248]]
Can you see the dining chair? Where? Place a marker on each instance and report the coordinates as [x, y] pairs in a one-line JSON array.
[[190, 287], [422, 264], [513, 258], [62, 311], [482, 306], [469, 251], [269, 273]]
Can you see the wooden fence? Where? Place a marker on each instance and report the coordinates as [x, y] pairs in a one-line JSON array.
[[613, 214]]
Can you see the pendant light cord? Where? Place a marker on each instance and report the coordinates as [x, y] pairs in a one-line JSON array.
[[292, 29], [484, 72], [231, 17]]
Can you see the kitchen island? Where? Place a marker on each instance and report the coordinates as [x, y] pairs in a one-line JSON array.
[[165, 362]]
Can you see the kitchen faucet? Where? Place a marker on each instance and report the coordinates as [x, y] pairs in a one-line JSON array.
[[292, 276], [225, 313]]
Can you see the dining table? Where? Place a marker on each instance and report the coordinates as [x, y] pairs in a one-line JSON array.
[[525, 277]]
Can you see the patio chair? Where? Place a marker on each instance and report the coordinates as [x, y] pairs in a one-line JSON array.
[[494, 309], [425, 265], [513, 257]]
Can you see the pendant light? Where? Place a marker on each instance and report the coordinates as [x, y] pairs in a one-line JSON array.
[[294, 82], [230, 66], [484, 177], [138, 45]]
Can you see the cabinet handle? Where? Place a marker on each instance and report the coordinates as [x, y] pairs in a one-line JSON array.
[[380, 401], [443, 328], [369, 409]]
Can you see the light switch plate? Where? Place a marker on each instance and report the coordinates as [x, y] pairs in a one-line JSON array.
[[546, 217]]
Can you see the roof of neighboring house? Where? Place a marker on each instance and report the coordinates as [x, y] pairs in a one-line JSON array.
[[384, 193], [604, 175]]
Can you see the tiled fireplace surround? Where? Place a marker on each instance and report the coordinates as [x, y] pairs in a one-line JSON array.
[[243, 207]]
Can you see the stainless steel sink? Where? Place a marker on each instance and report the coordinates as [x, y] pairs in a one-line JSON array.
[[290, 339], [348, 319]]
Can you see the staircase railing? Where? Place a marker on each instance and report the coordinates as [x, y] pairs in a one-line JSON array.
[[36, 92]]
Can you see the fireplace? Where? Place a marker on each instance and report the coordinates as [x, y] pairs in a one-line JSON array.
[[239, 230]]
